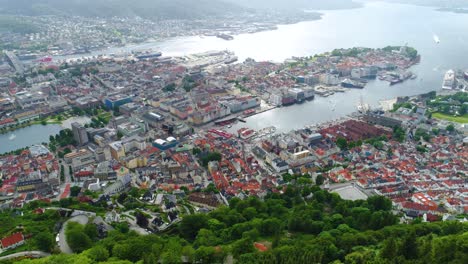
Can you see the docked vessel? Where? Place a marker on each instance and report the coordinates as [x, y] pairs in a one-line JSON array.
[[226, 121], [147, 55], [230, 59], [225, 36], [288, 100], [249, 112], [396, 81], [245, 133], [348, 83], [449, 80], [363, 107]]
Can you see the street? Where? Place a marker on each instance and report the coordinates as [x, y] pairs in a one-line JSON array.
[[82, 219]]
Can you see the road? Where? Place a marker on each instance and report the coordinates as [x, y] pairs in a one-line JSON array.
[[133, 224], [34, 254], [82, 219]]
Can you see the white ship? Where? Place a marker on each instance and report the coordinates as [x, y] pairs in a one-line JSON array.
[[449, 80], [12, 137], [436, 39], [363, 107]]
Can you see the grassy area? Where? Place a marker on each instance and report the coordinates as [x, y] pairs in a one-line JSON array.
[[25, 247], [458, 119], [105, 115], [48, 122]]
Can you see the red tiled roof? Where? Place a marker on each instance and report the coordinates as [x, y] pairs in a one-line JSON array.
[[6, 121], [12, 240], [260, 247]]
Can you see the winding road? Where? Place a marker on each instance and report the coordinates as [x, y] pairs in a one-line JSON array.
[[82, 219], [34, 254]]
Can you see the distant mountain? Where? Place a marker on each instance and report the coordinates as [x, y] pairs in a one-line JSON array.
[[150, 9], [297, 4], [434, 3]]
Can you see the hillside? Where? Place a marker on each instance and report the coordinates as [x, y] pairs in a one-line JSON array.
[[297, 4], [150, 9], [284, 228]]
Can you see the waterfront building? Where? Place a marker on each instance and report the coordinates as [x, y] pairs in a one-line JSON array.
[[241, 104]]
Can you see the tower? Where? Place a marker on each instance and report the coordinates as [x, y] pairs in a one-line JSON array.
[[79, 134]]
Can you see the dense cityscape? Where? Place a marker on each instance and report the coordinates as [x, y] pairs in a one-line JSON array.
[[153, 159]]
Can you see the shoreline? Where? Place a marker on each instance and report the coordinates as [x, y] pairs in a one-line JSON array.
[[154, 41], [64, 124]]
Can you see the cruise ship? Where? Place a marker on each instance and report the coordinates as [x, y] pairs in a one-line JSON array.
[[449, 80], [147, 55], [348, 83]]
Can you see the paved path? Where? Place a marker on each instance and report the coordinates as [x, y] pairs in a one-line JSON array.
[[82, 219], [34, 254]]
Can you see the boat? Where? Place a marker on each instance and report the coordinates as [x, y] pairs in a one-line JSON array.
[[288, 100], [436, 39], [230, 60], [245, 133], [348, 83], [147, 55], [12, 137], [249, 112], [449, 80], [363, 107], [396, 81], [224, 36], [226, 121]]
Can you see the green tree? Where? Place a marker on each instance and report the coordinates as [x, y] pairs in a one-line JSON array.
[[399, 133], [206, 237], [74, 191], [342, 143], [119, 135], [379, 203], [450, 128], [208, 255], [62, 173], [211, 156], [409, 247], [45, 241], [97, 253], [191, 224], [389, 249], [91, 231], [76, 238], [319, 179]]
